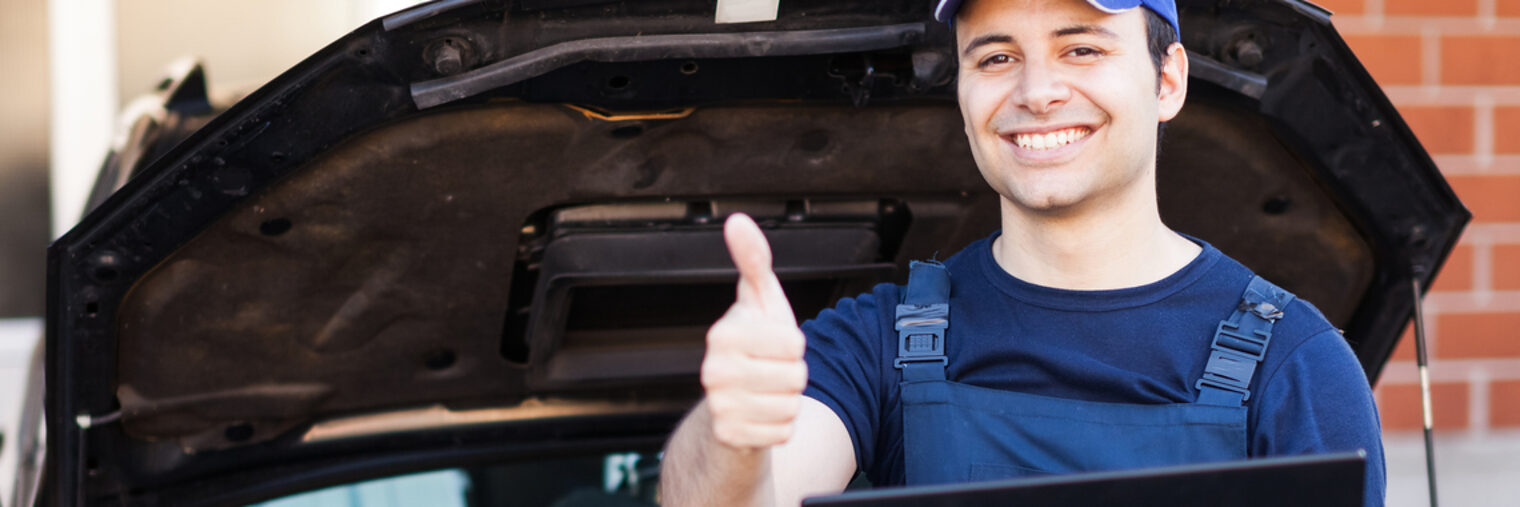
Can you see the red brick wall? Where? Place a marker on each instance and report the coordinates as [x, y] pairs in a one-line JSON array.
[[1453, 69]]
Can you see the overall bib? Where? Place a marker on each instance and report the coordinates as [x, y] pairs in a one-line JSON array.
[[957, 432]]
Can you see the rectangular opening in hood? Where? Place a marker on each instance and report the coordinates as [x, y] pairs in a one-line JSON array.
[[627, 291]]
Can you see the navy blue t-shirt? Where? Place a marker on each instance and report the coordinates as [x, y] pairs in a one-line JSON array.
[[1145, 345]]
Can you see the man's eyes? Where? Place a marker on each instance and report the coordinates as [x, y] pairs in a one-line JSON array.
[[996, 59], [1085, 52], [1080, 53]]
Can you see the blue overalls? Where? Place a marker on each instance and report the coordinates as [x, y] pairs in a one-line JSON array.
[[956, 432]]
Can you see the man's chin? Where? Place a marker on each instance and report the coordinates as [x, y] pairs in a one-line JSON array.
[[1044, 205]]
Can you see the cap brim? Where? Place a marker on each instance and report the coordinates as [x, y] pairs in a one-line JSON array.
[[945, 11]]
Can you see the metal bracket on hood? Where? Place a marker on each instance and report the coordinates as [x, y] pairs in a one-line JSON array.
[[1250, 84], [535, 63], [860, 91], [86, 421]]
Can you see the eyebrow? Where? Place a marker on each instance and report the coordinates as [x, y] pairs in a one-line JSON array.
[[997, 38], [1085, 30], [985, 40]]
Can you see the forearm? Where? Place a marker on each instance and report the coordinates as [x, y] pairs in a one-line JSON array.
[[699, 470]]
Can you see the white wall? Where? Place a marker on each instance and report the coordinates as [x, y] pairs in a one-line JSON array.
[[17, 337], [82, 73], [91, 56], [105, 53], [243, 43], [1471, 470]]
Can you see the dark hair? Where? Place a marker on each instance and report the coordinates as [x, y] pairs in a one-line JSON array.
[[1159, 36]]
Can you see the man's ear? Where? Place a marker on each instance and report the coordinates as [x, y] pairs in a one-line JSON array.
[[1172, 89]]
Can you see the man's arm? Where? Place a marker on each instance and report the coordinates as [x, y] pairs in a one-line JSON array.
[[1318, 400], [698, 470], [755, 439], [819, 459]]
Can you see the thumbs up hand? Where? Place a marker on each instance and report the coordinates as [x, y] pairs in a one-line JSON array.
[[753, 371]]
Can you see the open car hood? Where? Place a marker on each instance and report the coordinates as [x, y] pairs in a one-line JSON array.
[[480, 230]]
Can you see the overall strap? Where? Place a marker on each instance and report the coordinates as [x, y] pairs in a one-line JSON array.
[[1240, 343], [922, 318]]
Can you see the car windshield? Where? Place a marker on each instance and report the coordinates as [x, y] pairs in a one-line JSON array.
[[615, 479]]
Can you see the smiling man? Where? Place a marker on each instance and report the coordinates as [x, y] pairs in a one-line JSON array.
[[1085, 335]]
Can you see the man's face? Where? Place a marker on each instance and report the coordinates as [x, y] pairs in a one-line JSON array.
[[1061, 101]]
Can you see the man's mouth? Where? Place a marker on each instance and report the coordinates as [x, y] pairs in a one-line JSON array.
[[1050, 140]]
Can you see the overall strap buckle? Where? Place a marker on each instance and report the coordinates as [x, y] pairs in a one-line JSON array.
[[921, 322], [1240, 344]]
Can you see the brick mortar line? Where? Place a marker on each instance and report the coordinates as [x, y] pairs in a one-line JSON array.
[[1458, 303], [1415, 25], [1498, 234], [1497, 441], [1432, 331], [1474, 165], [1483, 130], [1374, 9], [1483, 268], [1450, 371], [1430, 57], [1452, 95], [1478, 381]]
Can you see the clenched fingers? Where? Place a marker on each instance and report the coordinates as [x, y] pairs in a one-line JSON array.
[[750, 435], [757, 409], [750, 375], [742, 331]]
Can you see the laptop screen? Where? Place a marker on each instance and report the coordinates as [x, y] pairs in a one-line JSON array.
[[1305, 481]]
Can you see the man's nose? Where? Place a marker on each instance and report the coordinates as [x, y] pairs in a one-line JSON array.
[[1041, 88]]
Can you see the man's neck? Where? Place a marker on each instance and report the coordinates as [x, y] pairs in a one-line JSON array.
[[1118, 246]]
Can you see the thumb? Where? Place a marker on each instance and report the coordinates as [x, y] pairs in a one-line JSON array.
[[751, 253]]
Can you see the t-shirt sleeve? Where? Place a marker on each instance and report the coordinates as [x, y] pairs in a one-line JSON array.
[[1318, 400], [843, 359]]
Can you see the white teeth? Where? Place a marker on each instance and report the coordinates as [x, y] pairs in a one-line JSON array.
[[1050, 141]]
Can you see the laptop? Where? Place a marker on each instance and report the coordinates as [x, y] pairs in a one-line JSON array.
[[1305, 481]]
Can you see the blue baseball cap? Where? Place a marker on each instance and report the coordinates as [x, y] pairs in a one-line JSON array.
[[944, 10]]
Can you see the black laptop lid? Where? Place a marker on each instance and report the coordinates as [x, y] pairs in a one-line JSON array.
[[1306, 481]]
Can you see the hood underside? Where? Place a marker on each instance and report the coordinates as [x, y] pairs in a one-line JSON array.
[[498, 223]]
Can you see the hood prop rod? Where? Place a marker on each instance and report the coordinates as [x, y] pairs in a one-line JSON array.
[[1424, 365], [643, 48]]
